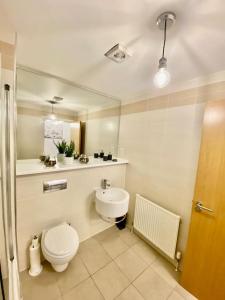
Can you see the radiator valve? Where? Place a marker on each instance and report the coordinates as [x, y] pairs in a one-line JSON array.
[[178, 255], [178, 258]]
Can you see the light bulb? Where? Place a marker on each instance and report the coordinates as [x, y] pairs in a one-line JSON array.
[[162, 78], [52, 116]]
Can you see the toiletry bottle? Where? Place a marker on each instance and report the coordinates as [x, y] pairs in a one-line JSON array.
[[101, 154]]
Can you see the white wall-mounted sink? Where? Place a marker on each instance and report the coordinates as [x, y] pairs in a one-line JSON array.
[[112, 202]]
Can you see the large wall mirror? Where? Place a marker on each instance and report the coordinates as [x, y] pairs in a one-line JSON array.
[[50, 109]]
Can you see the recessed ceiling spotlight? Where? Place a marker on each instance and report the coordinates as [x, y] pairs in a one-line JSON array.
[[118, 53], [162, 77]]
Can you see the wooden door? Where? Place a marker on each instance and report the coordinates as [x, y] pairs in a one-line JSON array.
[[204, 262]]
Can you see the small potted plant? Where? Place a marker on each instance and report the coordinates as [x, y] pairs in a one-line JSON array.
[[61, 146], [68, 159]]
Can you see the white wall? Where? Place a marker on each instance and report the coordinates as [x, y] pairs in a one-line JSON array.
[[37, 210], [162, 146]]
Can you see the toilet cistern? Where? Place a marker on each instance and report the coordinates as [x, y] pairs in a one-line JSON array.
[[105, 184]]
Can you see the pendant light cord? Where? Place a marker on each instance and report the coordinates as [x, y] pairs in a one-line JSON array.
[[164, 40]]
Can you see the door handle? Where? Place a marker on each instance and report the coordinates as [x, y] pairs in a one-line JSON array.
[[199, 207]]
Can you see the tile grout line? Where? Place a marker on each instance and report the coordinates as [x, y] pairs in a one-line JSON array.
[[172, 288], [97, 287], [102, 266], [113, 260], [131, 281], [62, 294], [170, 294]]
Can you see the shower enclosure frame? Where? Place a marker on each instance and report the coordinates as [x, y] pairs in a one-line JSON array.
[[8, 188]]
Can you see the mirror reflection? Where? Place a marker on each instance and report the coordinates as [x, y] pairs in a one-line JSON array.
[[53, 112]]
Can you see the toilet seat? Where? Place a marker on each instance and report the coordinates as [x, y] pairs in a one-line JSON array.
[[60, 241]]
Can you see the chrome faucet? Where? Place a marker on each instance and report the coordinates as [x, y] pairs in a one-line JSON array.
[[105, 184]]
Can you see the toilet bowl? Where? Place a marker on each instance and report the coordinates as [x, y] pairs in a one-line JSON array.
[[59, 244]]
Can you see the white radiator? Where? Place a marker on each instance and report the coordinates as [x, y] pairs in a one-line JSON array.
[[158, 225]]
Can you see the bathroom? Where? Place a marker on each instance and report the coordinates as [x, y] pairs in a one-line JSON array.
[[112, 150]]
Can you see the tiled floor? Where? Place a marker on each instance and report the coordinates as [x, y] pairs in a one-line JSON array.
[[112, 265]]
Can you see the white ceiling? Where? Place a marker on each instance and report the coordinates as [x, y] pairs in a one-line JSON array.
[[35, 88], [69, 38]]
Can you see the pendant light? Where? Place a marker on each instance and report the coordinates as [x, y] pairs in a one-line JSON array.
[[52, 116], [162, 77], [55, 100]]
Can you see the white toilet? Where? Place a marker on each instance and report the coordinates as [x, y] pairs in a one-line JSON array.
[[59, 244]]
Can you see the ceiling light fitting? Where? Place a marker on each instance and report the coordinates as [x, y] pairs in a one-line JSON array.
[[55, 100], [164, 22]]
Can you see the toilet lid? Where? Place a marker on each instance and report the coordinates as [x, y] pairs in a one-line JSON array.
[[61, 240]]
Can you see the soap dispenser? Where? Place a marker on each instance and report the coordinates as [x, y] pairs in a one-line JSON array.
[[101, 154], [110, 156]]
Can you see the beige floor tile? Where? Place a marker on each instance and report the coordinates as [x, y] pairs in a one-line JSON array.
[[128, 237], [146, 252], [184, 293], [114, 245], [131, 264], [25, 276], [175, 296], [151, 286], [73, 275], [110, 281], [86, 290], [93, 255], [6, 288], [42, 287], [130, 293], [110, 231], [166, 271], [134, 261]]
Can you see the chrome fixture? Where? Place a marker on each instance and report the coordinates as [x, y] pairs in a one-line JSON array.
[[199, 207], [105, 184], [55, 100], [118, 53], [54, 185], [162, 77]]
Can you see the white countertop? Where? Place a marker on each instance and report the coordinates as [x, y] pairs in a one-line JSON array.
[[34, 166]]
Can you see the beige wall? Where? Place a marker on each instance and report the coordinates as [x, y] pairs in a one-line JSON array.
[[102, 130], [102, 134], [30, 136], [30, 131], [161, 137], [37, 210]]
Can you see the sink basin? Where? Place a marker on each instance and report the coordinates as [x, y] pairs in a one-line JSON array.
[[112, 202]]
